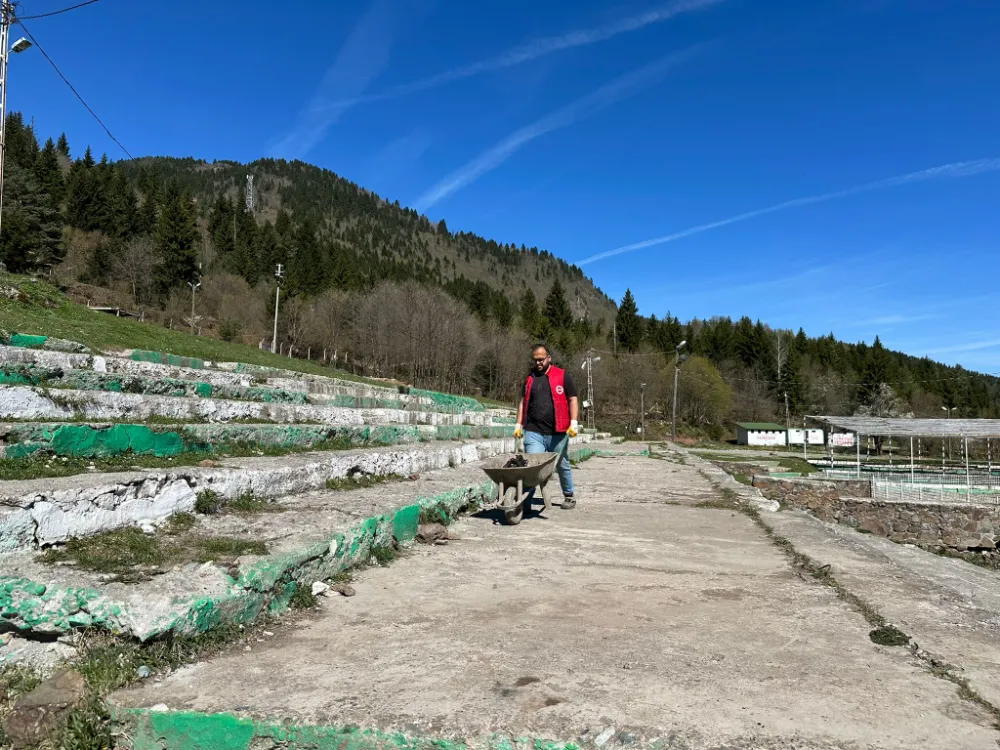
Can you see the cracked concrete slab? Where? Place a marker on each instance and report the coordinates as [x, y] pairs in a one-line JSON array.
[[639, 618]]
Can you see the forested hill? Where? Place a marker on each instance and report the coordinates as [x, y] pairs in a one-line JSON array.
[[370, 239], [376, 288]]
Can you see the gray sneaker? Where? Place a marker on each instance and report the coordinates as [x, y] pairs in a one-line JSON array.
[[569, 502]]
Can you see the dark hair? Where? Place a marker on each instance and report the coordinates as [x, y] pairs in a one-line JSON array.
[[542, 346]]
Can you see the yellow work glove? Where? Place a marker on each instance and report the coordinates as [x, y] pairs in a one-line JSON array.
[[518, 431], [574, 429]]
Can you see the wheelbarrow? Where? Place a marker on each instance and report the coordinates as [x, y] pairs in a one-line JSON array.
[[521, 479]]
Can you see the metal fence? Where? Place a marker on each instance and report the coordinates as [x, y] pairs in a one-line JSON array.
[[926, 492]]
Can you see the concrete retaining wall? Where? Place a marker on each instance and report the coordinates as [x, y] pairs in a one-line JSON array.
[[810, 493], [22, 402], [46, 511]]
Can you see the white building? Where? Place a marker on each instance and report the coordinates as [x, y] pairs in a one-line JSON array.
[[812, 436], [760, 433]]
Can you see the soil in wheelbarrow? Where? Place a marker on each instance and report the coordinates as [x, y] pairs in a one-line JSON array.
[[518, 462]]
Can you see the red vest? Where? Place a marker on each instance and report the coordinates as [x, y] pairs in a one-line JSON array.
[[559, 401]]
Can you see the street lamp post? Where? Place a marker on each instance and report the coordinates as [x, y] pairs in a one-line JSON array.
[[6, 17], [677, 370]]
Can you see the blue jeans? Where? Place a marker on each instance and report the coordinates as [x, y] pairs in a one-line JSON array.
[[535, 442]]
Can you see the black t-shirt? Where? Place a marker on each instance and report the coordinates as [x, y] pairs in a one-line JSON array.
[[541, 416]]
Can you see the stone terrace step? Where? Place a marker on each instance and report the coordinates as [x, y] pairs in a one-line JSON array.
[[46, 511], [319, 533], [96, 439], [237, 375], [25, 402]]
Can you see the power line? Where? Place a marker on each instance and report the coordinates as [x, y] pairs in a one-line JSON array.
[[71, 87], [57, 12]]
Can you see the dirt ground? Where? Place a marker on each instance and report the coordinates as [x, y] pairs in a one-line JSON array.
[[641, 617]]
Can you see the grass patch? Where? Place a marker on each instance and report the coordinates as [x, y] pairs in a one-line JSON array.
[[889, 635], [797, 464], [248, 504], [131, 555], [207, 502], [43, 310], [361, 480], [383, 554], [302, 597]]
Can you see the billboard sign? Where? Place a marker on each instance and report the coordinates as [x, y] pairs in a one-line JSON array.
[[842, 440]]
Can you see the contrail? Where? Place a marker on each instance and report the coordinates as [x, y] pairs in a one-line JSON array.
[[620, 88], [532, 51], [958, 169]]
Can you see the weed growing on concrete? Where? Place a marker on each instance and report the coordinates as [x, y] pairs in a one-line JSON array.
[[130, 555], [437, 513], [248, 504], [383, 554], [119, 551], [207, 502], [303, 597], [179, 523], [360, 481], [889, 635]]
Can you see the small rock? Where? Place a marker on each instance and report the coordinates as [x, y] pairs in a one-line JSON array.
[[143, 672], [208, 463], [343, 589], [429, 533], [247, 648], [147, 528], [268, 633], [413, 477], [602, 739], [41, 713], [6, 638], [319, 588], [159, 708]]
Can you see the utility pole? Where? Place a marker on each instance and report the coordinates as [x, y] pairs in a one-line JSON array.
[[642, 411], [278, 274], [6, 18], [677, 372], [194, 288]]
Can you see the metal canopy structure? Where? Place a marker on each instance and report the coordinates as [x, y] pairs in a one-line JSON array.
[[927, 428]]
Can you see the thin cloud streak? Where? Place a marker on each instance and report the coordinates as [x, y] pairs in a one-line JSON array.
[[958, 169], [531, 51], [362, 58], [621, 88]]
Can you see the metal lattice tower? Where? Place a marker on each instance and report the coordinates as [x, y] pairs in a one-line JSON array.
[[249, 193]]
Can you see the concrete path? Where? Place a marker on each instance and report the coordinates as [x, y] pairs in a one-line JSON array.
[[637, 617]]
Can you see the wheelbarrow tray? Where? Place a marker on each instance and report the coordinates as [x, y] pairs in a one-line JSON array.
[[539, 469]]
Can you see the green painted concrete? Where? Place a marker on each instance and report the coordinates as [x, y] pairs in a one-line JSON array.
[[27, 341], [92, 441], [190, 730], [263, 585]]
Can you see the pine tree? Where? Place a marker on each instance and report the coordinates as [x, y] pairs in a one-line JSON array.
[[32, 227], [176, 238], [49, 175], [628, 325], [121, 206], [528, 313], [877, 371], [306, 268], [557, 312], [63, 145], [21, 145], [84, 200]]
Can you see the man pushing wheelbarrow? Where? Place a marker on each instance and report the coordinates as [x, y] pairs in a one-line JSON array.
[[547, 417]]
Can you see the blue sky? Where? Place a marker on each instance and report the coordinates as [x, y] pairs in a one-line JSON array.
[[800, 141]]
